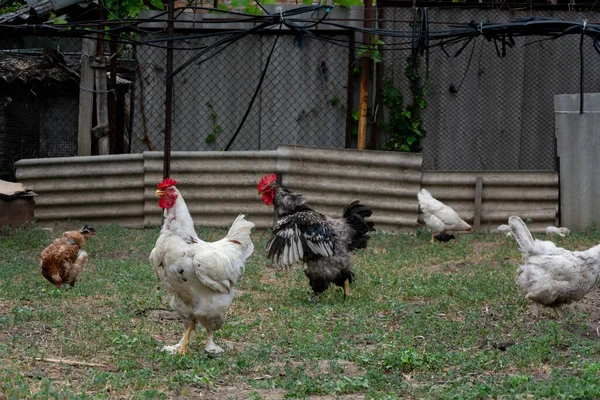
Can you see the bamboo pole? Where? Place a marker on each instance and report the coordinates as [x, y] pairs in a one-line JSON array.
[[364, 80]]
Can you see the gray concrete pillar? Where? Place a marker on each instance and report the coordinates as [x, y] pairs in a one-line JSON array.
[[578, 147]]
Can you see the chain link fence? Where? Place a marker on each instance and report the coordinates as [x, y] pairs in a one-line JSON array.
[[302, 99], [484, 111]]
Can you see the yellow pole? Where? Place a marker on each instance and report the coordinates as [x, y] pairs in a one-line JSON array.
[[364, 80]]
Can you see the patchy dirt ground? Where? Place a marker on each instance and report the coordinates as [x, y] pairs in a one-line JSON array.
[[590, 305], [244, 392]]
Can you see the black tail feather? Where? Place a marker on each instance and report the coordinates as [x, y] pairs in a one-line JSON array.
[[355, 213]]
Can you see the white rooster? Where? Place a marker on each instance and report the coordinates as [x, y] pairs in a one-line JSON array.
[[440, 218], [553, 276], [201, 276]]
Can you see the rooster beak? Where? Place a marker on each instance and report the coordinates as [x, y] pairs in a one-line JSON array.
[[159, 193], [260, 193]]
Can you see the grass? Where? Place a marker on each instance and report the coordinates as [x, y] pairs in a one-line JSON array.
[[424, 321]]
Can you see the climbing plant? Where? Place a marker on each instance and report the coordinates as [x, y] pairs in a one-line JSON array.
[[404, 123], [216, 128]]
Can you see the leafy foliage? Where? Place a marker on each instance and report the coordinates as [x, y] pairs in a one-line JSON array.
[[216, 128], [405, 125], [371, 51], [9, 6], [120, 9], [348, 3]]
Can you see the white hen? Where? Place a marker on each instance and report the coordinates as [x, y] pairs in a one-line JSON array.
[[553, 276], [200, 275], [553, 230], [440, 218]]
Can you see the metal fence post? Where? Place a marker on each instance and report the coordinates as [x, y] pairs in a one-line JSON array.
[[169, 91], [350, 89]]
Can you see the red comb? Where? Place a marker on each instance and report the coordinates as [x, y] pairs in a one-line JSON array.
[[167, 183], [266, 181]]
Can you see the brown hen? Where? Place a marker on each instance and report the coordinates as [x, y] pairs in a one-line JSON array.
[[62, 261]]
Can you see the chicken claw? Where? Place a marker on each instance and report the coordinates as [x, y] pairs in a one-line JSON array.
[[181, 347], [211, 347]]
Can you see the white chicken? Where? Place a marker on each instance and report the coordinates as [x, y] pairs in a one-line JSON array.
[[506, 229], [440, 218], [553, 276], [200, 275], [553, 230]]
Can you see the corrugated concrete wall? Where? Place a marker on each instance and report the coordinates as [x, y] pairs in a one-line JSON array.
[[330, 179], [578, 143], [216, 186], [219, 185], [99, 189], [528, 194]]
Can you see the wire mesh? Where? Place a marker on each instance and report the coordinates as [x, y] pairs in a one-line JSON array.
[[302, 99], [487, 112], [484, 112]]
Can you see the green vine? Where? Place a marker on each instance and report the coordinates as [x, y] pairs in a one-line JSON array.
[[404, 124], [216, 128]]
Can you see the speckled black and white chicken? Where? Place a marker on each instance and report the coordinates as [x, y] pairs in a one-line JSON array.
[[321, 242], [553, 276]]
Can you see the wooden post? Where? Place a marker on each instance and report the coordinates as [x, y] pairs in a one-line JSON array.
[[86, 99], [478, 201], [115, 135], [364, 80], [101, 130]]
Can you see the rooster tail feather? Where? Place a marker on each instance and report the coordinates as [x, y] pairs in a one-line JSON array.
[[521, 234], [240, 232], [355, 214]]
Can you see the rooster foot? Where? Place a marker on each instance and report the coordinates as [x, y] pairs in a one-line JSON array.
[[214, 350], [557, 313], [211, 347], [66, 286], [314, 297]]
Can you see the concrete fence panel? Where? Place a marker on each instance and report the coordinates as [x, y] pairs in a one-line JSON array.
[[330, 179], [578, 144], [95, 190], [217, 186]]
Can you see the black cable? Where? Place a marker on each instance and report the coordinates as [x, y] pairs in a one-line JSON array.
[[468, 67], [228, 41], [262, 78]]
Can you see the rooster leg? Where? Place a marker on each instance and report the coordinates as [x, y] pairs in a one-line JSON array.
[[177, 348], [211, 347], [346, 289], [314, 297], [186, 338], [432, 235], [557, 313]]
